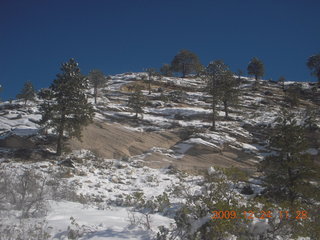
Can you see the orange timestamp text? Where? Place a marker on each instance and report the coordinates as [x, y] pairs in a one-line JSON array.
[[298, 215]]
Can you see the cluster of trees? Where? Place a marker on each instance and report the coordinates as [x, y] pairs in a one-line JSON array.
[[187, 62], [222, 86], [66, 108]]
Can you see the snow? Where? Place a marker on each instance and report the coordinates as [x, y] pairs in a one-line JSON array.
[[106, 214], [112, 223]]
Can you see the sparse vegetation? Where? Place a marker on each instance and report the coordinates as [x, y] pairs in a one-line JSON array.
[[27, 93]]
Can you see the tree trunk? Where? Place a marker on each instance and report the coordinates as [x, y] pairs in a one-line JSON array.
[[95, 94], [149, 85], [183, 71], [60, 136], [213, 116], [25, 102], [226, 109]]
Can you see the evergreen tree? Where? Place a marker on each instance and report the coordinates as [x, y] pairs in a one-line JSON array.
[[313, 64], [310, 118], [66, 108], [256, 68], [185, 62], [166, 70], [199, 68], [152, 72], [97, 79], [292, 95], [27, 93], [229, 90], [137, 101], [214, 75], [289, 172]]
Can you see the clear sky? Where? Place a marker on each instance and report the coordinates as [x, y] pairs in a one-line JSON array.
[[118, 36]]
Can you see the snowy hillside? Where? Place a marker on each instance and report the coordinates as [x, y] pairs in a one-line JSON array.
[[129, 177]]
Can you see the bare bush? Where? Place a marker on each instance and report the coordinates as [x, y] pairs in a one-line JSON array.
[[24, 192], [25, 230]]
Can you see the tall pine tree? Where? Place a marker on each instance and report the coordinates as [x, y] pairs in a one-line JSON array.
[[214, 74], [97, 79], [289, 172], [66, 108], [137, 101], [230, 90], [27, 93]]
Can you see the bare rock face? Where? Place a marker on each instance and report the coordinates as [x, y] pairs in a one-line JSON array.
[[16, 142], [115, 141]]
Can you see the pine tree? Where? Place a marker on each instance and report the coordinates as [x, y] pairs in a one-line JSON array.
[[256, 68], [214, 75], [66, 108], [288, 172], [185, 62], [27, 93], [229, 90], [313, 64], [310, 118], [292, 95], [97, 79], [137, 101], [166, 70]]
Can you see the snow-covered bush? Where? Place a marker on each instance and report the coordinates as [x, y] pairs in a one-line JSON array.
[[25, 192], [194, 219], [24, 230]]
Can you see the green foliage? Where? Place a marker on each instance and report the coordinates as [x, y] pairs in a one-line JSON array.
[[235, 174], [310, 118], [256, 68], [137, 101], [292, 95], [221, 85], [195, 219], [313, 64], [185, 62], [97, 79], [27, 92], [290, 221], [166, 70], [162, 202], [66, 108], [288, 173]]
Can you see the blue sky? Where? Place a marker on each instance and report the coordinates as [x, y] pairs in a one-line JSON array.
[[117, 36]]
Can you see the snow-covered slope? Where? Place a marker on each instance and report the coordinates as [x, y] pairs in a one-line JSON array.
[[110, 196]]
